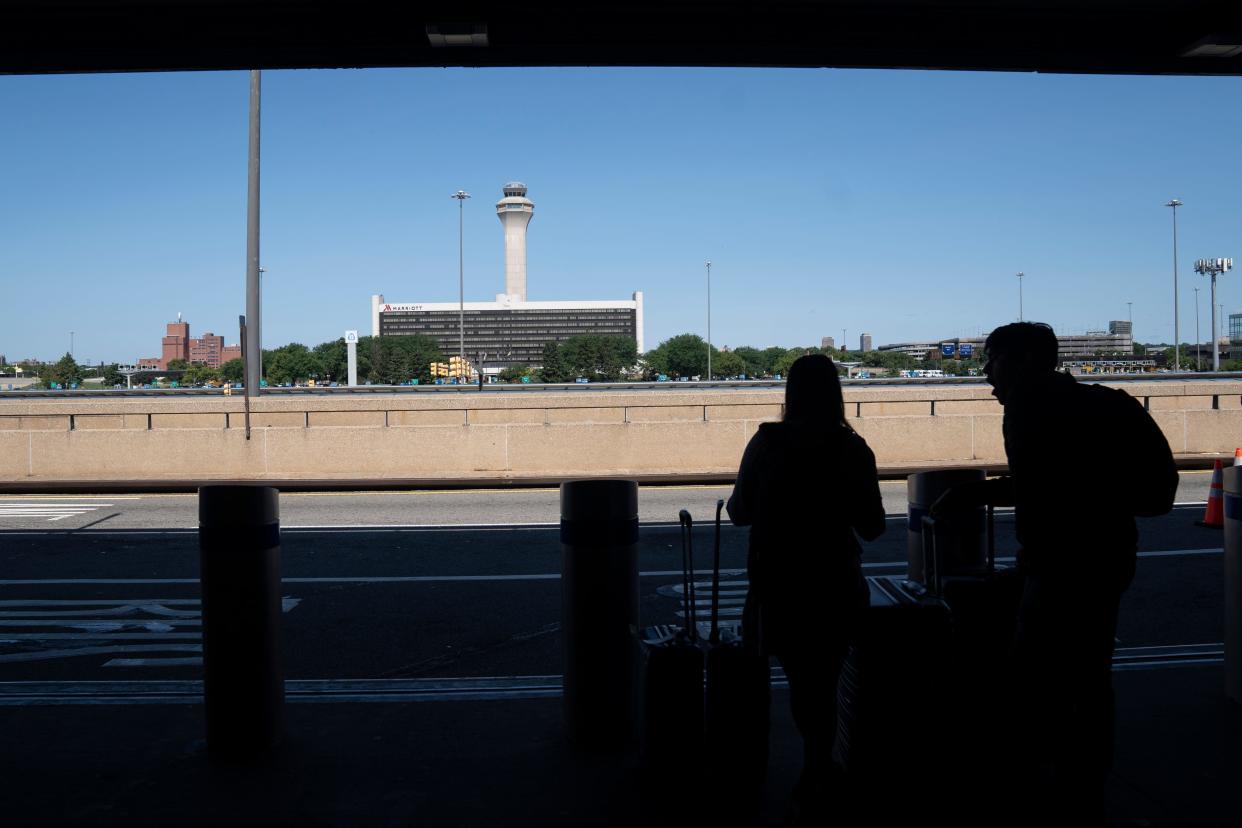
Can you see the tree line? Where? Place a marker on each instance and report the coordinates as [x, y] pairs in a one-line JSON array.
[[395, 360]]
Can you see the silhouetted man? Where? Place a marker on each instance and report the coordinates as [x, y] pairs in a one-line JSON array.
[[1074, 510]]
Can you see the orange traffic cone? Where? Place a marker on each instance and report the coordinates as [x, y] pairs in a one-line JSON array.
[[1214, 517], [1237, 457]]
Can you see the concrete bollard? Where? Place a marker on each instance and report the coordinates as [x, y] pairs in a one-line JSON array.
[[243, 675], [968, 549], [599, 609], [1233, 582]]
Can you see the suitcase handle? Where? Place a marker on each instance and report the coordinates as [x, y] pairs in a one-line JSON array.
[[715, 634], [991, 532], [687, 574], [931, 556]]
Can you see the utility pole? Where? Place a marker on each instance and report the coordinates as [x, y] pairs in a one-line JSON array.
[[1177, 352], [709, 321], [254, 311], [1198, 341], [461, 196], [1020, 274], [1213, 267]]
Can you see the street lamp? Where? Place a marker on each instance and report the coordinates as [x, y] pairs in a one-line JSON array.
[[1213, 267], [258, 327], [71, 343], [461, 196], [708, 265], [1198, 341], [1177, 354], [1020, 274]]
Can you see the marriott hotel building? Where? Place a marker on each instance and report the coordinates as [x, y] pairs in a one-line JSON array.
[[508, 331]]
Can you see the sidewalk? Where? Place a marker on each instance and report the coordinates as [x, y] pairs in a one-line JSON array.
[[493, 763]]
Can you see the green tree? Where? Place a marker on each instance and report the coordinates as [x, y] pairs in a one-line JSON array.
[[65, 372], [333, 360], [787, 359], [112, 376], [753, 359], [290, 363], [771, 356], [598, 358], [390, 360], [553, 367], [198, 374], [514, 373], [684, 355], [728, 364], [177, 365], [233, 371]]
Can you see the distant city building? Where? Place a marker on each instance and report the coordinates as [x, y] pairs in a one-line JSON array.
[[1117, 340], [208, 350], [1235, 328], [511, 330], [864, 343], [828, 342]]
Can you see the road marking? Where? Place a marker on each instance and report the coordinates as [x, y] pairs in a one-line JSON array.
[[49, 510], [103, 623], [544, 576]]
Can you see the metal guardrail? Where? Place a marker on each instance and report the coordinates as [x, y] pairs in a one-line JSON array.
[[578, 387]]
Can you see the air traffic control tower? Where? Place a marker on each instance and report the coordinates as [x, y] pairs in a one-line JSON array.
[[511, 330], [515, 211]]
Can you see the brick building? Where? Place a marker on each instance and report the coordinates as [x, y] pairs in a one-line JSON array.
[[177, 344]]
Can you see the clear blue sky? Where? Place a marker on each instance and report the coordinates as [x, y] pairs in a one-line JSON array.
[[898, 203]]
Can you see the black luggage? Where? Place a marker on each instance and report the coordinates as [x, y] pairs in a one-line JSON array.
[[983, 603], [671, 681], [738, 696], [893, 689]]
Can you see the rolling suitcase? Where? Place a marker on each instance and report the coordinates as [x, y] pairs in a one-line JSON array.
[[893, 686], [983, 603], [983, 606], [671, 683], [738, 696]]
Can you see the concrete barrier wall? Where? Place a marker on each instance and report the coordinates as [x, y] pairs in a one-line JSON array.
[[522, 434]]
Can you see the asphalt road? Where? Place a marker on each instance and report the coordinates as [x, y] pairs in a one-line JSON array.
[[378, 597], [504, 507]]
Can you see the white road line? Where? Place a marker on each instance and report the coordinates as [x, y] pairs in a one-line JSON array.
[[155, 662], [545, 576], [99, 626], [10, 637], [100, 603], [48, 655]]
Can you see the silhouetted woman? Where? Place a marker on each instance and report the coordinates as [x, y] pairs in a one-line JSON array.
[[807, 487]]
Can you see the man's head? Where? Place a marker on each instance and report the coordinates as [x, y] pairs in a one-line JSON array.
[[1016, 351]]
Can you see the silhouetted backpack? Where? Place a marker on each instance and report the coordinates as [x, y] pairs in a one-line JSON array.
[[1147, 475]]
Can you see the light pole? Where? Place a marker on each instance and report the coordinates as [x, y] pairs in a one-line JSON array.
[[708, 264], [252, 349], [461, 196], [258, 327], [1130, 316], [1020, 274], [71, 343], [1213, 267], [1198, 341], [1177, 354]]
